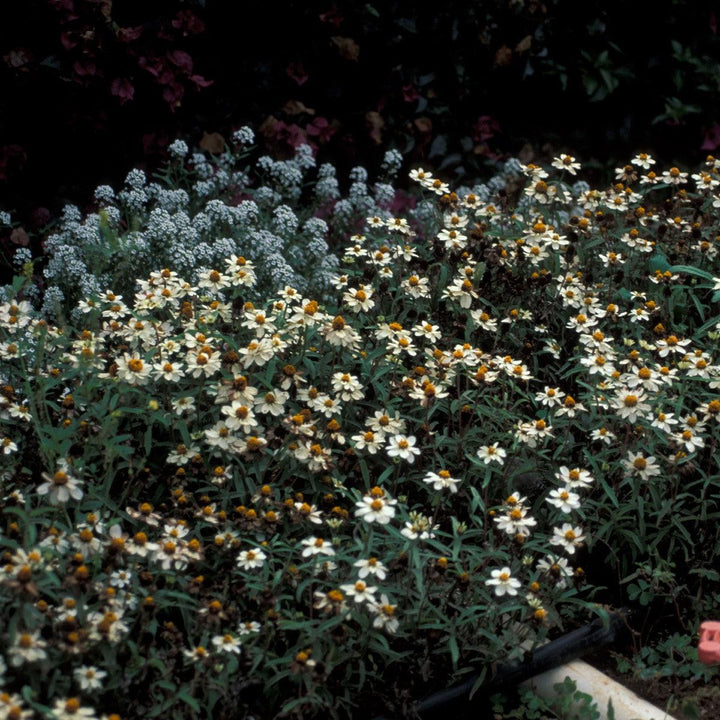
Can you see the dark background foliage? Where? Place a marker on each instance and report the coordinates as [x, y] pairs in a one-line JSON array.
[[92, 88]]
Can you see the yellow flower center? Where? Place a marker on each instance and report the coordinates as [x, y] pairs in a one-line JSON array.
[[72, 706]]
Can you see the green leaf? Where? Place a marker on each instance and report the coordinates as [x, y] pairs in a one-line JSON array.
[[609, 492], [659, 262], [703, 329], [690, 270], [166, 685], [189, 700], [454, 650]]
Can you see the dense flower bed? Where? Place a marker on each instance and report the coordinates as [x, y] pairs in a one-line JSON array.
[[229, 491]]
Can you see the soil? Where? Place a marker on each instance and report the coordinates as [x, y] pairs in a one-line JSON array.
[[684, 699]]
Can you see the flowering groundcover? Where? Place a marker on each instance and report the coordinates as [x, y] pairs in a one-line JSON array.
[[226, 494]]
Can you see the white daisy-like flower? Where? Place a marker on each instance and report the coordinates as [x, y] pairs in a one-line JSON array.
[[566, 162], [168, 370], [358, 299], [421, 176], [557, 568], [71, 709], [369, 441], [674, 176], [251, 559], [247, 627], [503, 582], [317, 546], [375, 507], [419, 527], [382, 422], [89, 677], [27, 647], [403, 446], [227, 643], [690, 440], [133, 370], [492, 453], [183, 405], [644, 467], [360, 591], [371, 566], [272, 402], [629, 405], [61, 486], [574, 478], [672, 345], [603, 435], [239, 416], [7, 446], [516, 521], [568, 537], [442, 480], [564, 499], [385, 618], [550, 396], [643, 160]]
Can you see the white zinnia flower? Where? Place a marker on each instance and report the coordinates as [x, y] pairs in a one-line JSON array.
[[503, 582], [564, 499], [61, 486], [317, 546], [403, 446], [227, 643], [371, 566], [492, 453], [385, 615], [442, 480], [360, 592], [568, 537], [89, 677], [251, 559], [374, 507]]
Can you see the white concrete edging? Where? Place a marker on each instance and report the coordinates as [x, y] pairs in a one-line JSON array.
[[626, 704]]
